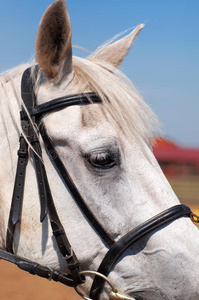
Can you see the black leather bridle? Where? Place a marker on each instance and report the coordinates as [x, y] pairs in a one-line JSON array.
[[32, 125]]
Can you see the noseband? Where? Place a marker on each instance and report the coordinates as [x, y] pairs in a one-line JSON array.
[[32, 125]]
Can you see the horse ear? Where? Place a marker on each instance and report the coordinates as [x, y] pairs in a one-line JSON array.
[[114, 53], [53, 42]]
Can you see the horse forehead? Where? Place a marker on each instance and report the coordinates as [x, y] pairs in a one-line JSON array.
[[92, 115], [76, 119]]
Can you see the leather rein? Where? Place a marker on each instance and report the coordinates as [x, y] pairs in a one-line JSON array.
[[33, 126]]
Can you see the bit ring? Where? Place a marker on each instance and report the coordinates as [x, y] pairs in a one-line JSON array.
[[97, 274]]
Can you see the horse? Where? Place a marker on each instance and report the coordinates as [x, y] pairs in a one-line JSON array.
[[111, 201]]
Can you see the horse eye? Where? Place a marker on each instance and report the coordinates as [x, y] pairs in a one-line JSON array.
[[104, 160]]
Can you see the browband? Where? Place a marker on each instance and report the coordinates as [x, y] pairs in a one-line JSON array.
[[60, 103]]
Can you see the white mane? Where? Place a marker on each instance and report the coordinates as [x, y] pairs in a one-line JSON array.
[[122, 103]]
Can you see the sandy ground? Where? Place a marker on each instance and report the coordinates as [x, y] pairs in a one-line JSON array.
[[18, 285]]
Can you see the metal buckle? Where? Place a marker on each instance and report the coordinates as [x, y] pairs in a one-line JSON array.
[[194, 218], [50, 274], [70, 255]]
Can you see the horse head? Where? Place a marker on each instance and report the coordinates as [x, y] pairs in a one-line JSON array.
[[105, 147]]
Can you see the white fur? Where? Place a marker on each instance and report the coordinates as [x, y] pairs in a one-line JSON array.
[[166, 264]]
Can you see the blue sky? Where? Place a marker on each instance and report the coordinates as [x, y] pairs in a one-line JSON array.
[[163, 63]]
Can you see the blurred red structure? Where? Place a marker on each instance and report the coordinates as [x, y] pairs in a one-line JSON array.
[[176, 160]]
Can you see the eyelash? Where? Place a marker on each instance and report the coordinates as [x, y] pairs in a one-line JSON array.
[[103, 160]]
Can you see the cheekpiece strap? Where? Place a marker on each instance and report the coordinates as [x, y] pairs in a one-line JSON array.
[[17, 198], [29, 100]]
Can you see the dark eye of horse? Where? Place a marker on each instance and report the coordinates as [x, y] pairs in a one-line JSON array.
[[104, 160]]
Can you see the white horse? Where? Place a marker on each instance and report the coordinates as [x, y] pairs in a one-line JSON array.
[[106, 150]]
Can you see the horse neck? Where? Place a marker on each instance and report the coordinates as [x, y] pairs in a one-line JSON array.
[[10, 131]]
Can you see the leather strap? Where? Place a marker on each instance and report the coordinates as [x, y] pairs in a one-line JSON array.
[[36, 269], [17, 198], [37, 154], [28, 96], [27, 93], [62, 102], [115, 252], [46, 200], [108, 240], [61, 238]]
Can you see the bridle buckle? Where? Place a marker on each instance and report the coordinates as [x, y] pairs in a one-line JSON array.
[[69, 256], [194, 218]]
